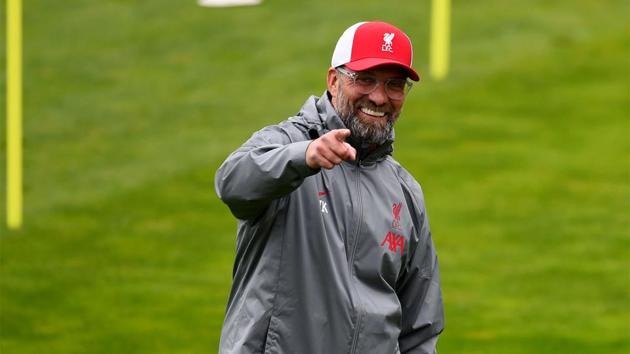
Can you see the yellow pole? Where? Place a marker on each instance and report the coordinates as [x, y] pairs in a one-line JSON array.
[[14, 114], [440, 37]]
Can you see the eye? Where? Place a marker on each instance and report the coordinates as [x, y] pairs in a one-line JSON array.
[[366, 81], [397, 84]]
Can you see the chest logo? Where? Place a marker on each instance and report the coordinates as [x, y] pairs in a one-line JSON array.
[[396, 213], [395, 242]]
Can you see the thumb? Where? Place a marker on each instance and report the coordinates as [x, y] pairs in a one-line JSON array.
[[341, 134]]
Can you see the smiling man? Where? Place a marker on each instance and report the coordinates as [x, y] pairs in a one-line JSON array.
[[334, 251]]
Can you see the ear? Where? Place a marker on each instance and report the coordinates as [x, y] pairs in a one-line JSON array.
[[332, 82]]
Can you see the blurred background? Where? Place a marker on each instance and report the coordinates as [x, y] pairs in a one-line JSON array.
[[130, 106]]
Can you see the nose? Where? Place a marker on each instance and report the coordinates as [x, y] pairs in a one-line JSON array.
[[379, 96]]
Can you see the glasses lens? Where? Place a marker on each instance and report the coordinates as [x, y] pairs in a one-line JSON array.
[[397, 88], [366, 84]]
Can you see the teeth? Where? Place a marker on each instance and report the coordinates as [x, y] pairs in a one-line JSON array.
[[371, 112]]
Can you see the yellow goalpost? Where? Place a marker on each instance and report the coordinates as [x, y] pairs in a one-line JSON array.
[[14, 114]]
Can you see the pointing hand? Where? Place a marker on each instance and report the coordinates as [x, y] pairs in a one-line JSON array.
[[329, 150]]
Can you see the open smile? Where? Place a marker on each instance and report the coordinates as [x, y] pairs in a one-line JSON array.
[[372, 112]]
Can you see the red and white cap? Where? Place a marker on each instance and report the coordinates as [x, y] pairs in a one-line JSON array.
[[366, 45]]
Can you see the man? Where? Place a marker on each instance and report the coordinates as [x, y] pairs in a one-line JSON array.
[[334, 253]]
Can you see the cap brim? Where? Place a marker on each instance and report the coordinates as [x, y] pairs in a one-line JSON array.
[[369, 63]]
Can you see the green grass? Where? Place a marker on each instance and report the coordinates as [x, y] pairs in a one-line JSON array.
[[130, 106]]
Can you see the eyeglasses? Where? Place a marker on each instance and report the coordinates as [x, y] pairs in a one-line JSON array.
[[396, 89]]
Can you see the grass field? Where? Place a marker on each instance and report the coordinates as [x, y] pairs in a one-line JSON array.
[[130, 106]]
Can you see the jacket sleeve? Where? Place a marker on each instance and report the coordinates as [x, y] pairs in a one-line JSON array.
[[266, 167], [418, 288]]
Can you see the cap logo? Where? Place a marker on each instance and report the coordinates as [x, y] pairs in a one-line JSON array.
[[387, 45]]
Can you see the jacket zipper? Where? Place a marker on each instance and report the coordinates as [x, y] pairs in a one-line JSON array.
[[355, 335]]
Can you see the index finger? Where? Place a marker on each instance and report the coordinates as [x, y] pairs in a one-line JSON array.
[[341, 134]]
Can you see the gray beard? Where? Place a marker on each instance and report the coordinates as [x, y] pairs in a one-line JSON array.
[[360, 131]]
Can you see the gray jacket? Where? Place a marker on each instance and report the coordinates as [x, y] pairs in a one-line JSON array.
[[327, 261]]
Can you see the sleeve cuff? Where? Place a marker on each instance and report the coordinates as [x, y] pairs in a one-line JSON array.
[[297, 151]]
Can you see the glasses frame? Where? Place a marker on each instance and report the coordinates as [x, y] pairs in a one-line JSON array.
[[355, 75]]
